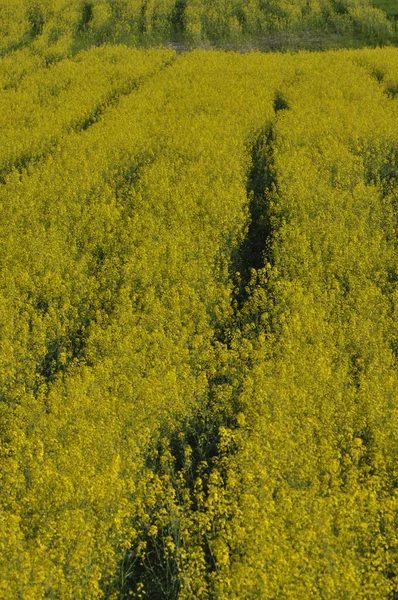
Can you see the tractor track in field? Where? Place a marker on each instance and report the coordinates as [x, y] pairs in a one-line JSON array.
[[201, 436], [27, 161]]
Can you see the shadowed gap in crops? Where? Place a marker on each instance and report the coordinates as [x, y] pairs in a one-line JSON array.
[[87, 17], [24, 161], [390, 88], [22, 43], [178, 18], [142, 28], [13, 47], [64, 350], [101, 108], [261, 187], [186, 460], [36, 23], [70, 348], [382, 173]]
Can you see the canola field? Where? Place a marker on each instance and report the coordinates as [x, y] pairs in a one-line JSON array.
[[198, 317], [54, 27]]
